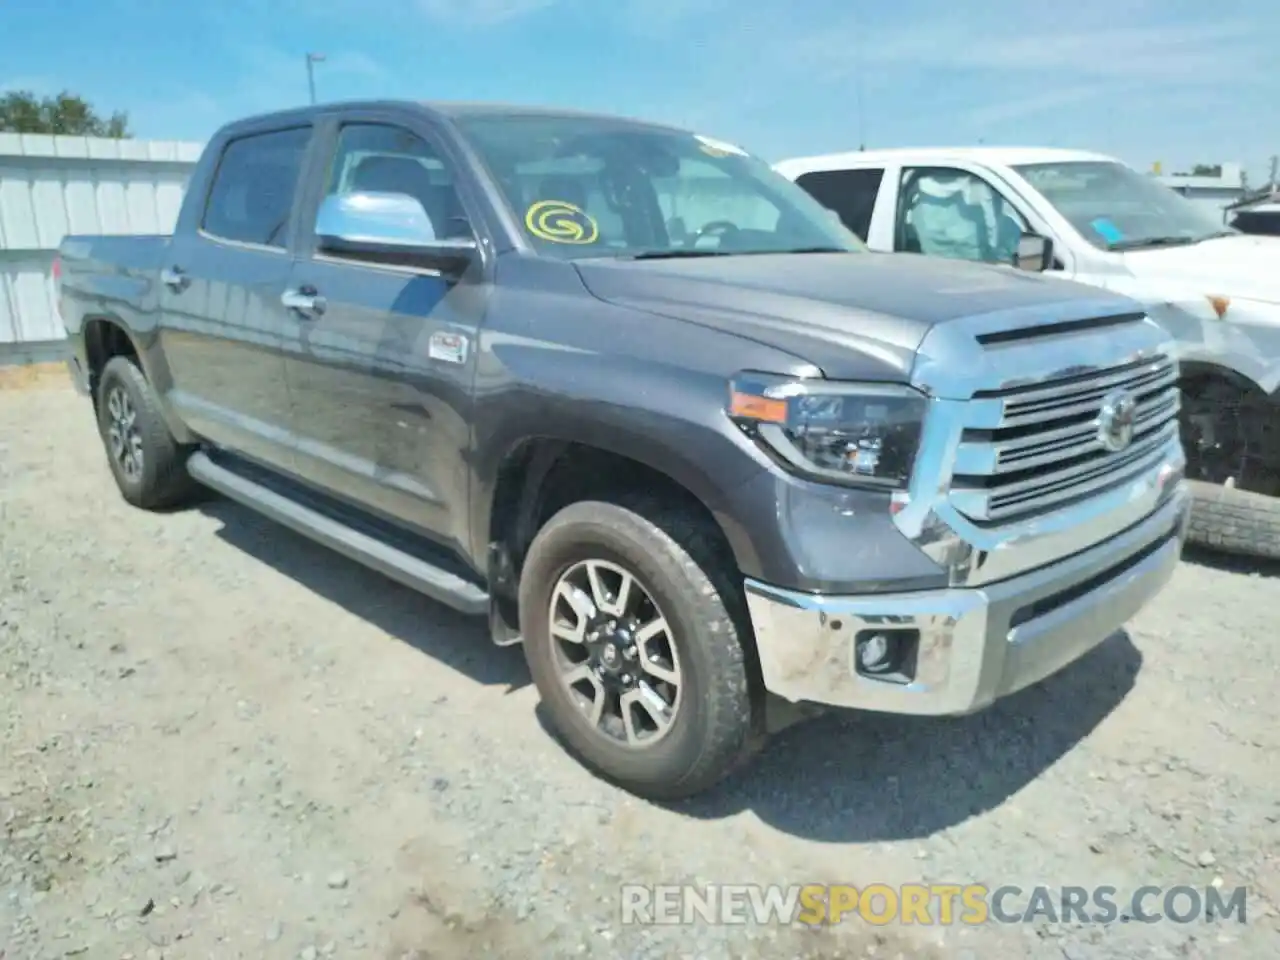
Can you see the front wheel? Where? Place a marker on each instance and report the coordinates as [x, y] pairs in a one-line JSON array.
[[1232, 439], [633, 648]]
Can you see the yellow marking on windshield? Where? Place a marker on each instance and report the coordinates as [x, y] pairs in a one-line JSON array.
[[561, 222]]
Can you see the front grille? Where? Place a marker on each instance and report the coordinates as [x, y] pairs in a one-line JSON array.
[[1045, 453]]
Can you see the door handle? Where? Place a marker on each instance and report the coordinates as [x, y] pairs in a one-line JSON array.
[[174, 278], [304, 300]]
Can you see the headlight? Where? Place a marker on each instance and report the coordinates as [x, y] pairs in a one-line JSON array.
[[864, 434]]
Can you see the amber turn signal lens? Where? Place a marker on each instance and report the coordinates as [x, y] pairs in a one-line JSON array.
[[752, 407], [1219, 305]]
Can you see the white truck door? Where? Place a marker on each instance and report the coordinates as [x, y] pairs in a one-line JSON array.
[[963, 210]]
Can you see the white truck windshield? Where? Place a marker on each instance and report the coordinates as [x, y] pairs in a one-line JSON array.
[[1116, 208]]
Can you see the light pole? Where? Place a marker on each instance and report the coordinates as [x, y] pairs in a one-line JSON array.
[[313, 58]]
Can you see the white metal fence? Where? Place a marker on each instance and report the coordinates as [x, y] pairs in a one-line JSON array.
[[53, 186]]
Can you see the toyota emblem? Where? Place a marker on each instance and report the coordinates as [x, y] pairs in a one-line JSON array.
[[1116, 420]]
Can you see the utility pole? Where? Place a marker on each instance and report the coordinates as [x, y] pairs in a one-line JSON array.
[[312, 59], [1275, 162]]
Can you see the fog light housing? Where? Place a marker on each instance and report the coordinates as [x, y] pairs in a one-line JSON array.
[[888, 655], [875, 653]]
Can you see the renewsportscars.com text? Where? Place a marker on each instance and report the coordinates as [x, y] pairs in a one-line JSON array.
[[927, 904]]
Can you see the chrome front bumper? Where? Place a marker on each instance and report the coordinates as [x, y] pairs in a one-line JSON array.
[[975, 644]]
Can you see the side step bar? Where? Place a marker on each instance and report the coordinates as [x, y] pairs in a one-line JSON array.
[[417, 574]]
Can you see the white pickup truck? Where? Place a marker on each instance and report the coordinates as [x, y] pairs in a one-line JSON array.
[[1104, 223]]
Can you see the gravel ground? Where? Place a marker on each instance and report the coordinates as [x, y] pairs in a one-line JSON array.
[[222, 741]]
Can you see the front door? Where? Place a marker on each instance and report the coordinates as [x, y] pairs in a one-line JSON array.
[[223, 324], [954, 213], [381, 378]]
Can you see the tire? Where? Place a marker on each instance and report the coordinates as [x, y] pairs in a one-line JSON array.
[[162, 480], [711, 733], [1234, 521]]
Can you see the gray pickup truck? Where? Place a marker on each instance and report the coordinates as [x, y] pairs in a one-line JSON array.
[[647, 406]]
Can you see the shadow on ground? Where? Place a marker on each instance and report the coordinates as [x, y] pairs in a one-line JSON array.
[[875, 777], [845, 777], [458, 641], [1230, 563]]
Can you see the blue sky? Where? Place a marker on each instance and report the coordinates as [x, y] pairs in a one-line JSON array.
[[1176, 81]]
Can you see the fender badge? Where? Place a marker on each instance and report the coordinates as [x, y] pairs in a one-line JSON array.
[[448, 347]]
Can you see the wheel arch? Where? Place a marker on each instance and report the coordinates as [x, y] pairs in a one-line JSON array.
[[1193, 372], [542, 474], [539, 476], [105, 337]]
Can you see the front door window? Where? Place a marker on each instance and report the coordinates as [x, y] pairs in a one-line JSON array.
[[945, 212]]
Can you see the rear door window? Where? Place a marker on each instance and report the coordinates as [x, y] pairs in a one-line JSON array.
[[253, 189], [850, 193]]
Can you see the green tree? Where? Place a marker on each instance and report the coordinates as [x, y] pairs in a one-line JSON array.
[[65, 114]]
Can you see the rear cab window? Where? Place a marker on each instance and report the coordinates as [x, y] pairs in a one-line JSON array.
[[251, 197]]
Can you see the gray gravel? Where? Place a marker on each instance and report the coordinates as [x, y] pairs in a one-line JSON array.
[[222, 741]]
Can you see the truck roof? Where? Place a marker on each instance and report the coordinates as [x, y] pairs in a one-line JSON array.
[[999, 156], [442, 108]]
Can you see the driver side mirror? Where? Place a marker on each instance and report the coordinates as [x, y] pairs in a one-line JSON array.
[[391, 228], [1034, 253]]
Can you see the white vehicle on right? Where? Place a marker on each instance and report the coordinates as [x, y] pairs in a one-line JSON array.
[[1091, 218]]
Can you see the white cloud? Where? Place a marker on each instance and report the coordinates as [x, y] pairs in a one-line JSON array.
[[997, 63], [1156, 52], [480, 13], [662, 18], [641, 17], [1016, 108]]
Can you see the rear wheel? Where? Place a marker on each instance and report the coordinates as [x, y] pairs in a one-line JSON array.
[[149, 466], [1232, 439], [633, 649]]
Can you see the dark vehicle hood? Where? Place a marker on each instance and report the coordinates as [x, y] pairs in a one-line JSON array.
[[854, 316]]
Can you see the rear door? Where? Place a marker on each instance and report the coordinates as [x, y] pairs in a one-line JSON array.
[[222, 279], [851, 193], [381, 379]]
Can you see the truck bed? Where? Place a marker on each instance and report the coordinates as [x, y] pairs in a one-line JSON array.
[[108, 276]]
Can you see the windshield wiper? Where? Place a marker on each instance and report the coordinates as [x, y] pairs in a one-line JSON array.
[[813, 250], [1147, 243], [673, 254]]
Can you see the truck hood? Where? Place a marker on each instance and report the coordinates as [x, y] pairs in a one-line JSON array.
[[854, 316], [1242, 266]]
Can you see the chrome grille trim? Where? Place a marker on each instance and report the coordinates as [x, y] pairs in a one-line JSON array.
[[1055, 454], [972, 369], [1060, 400], [1038, 497], [1073, 441]]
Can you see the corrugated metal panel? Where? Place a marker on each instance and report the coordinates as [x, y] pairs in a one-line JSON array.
[[53, 186]]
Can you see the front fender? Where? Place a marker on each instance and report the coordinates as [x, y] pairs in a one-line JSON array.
[[1245, 340], [673, 424]]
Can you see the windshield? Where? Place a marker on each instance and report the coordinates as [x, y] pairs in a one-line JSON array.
[[596, 187], [1116, 208]]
